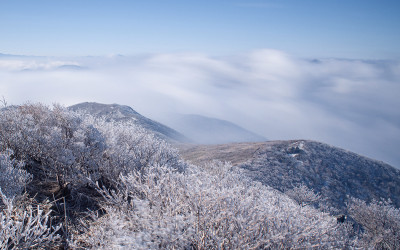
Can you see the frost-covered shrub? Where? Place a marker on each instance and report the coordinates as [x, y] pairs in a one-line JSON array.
[[380, 221], [209, 208], [56, 139], [24, 225], [12, 177], [238, 213], [74, 148], [149, 210], [131, 148], [303, 195]]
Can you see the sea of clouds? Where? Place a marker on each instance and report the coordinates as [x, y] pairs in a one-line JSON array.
[[354, 104]]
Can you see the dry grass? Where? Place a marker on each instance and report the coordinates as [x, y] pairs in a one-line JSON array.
[[236, 153]]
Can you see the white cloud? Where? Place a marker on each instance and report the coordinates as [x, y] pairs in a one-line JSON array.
[[348, 103], [21, 63]]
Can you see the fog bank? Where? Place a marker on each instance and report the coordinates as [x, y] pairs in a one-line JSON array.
[[353, 104]]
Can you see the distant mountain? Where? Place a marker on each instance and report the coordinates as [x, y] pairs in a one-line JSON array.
[[206, 130], [334, 172], [5, 55], [70, 67], [15, 56], [124, 113]]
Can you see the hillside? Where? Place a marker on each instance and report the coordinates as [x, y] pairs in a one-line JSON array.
[[334, 172], [207, 130], [69, 180], [331, 171], [125, 113]]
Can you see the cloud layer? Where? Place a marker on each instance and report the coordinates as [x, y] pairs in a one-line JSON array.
[[348, 103]]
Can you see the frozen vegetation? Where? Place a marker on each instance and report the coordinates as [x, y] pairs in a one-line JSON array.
[[76, 181], [333, 172]]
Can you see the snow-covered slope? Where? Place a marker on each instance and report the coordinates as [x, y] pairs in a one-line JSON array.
[[125, 113], [334, 172]]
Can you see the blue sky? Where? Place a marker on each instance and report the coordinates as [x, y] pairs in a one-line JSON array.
[[367, 29]]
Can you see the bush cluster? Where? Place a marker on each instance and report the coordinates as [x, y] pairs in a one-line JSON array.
[[147, 197]]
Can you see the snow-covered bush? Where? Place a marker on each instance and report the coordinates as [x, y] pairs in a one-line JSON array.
[[12, 177], [131, 148], [148, 211], [380, 221], [55, 139], [213, 207], [303, 195], [25, 225], [74, 148]]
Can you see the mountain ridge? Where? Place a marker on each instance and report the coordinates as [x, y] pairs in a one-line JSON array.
[[124, 113], [334, 172], [208, 130]]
